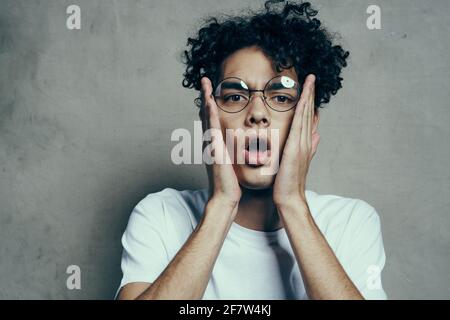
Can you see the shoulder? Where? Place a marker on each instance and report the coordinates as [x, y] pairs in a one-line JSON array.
[[162, 207], [336, 208], [343, 219], [171, 196], [154, 205], [159, 198]]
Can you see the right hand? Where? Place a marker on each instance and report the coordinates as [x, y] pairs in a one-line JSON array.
[[223, 182]]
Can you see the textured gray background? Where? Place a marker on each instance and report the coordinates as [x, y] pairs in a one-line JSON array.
[[86, 118]]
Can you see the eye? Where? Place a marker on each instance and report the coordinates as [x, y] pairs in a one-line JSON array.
[[233, 98], [282, 99]]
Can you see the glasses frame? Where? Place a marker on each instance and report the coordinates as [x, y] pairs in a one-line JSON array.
[[299, 90]]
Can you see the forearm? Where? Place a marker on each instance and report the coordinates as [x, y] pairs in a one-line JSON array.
[[187, 275], [323, 275]]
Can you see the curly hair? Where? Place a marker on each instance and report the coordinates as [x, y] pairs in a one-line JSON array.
[[290, 37]]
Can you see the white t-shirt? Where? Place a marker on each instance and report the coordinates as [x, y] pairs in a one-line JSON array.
[[253, 264]]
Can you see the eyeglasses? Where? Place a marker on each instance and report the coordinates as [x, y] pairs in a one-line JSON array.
[[280, 93]]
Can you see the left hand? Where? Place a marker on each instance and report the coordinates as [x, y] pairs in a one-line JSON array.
[[300, 147]]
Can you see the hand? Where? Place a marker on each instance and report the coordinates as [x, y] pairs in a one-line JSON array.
[[300, 147], [222, 178]]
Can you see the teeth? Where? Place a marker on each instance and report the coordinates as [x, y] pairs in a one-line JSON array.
[[260, 146]]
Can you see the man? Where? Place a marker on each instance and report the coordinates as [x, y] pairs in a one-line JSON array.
[[251, 235]]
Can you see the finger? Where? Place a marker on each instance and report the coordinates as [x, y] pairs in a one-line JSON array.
[[296, 126], [221, 155], [304, 144], [210, 104], [310, 117], [212, 113], [205, 116], [314, 108], [304, 129], [308, 133]]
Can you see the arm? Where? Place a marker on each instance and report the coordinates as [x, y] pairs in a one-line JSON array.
[[188, 273], [323, 274]]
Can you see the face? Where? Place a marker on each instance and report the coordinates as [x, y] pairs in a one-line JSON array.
[[255, 68]]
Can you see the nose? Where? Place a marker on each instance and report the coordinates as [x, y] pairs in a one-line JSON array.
[[257, 112]]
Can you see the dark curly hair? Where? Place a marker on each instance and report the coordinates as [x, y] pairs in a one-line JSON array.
[[290, 37]]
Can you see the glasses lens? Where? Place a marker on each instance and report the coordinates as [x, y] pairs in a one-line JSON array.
[[282, 93], [232, 95]]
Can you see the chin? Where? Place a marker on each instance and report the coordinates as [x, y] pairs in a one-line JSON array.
[[251, 177]]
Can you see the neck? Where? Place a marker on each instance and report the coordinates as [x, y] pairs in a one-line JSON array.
[[257, 211]]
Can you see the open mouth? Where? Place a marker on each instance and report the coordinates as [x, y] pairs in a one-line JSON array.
[[257, 151]]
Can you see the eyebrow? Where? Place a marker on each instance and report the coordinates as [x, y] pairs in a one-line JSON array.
[[231, 85], [275, 86], [237, 85]]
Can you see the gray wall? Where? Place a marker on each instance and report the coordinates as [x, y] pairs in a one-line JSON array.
[[86, 117]]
